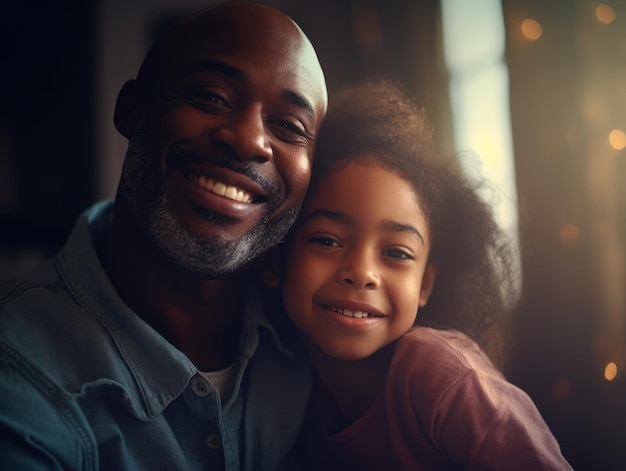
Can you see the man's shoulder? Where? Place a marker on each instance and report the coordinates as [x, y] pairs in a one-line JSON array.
[[40, 323], [37, 364], [46, 326]]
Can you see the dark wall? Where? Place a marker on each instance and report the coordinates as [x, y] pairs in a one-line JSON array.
[[46, 120]]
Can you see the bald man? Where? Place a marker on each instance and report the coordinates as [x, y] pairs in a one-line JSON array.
[[143, 344]]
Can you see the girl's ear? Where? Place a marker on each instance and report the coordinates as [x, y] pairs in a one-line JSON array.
[[428, 283]]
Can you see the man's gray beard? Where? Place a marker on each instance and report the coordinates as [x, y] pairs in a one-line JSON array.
[[208, 256]]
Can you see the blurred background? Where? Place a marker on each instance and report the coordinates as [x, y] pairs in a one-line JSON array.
[[529, 93]]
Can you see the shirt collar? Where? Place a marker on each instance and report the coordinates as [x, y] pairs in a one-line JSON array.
[[154, 372]]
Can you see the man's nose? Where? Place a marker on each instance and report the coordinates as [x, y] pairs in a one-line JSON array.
[[243, 134], [359, 271]]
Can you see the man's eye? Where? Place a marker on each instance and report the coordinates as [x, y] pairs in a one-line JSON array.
[[324, 241], [214, 98], [401, 254], [211, 97], [288, 128]]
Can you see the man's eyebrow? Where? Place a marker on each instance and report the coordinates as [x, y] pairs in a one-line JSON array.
[[299, 101], [395, 226], [215, 66], [211, 65]]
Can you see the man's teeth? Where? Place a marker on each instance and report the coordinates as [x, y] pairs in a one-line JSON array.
[[219, 188], [349, 313]]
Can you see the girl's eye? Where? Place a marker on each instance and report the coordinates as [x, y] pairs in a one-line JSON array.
[[401, 254], [324, 241]]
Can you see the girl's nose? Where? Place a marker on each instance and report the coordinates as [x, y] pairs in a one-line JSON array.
[[359, 273]]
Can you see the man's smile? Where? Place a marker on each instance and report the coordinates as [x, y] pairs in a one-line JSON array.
[[220, 188]]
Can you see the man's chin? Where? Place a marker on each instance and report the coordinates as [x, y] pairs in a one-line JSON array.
[[221, 253]]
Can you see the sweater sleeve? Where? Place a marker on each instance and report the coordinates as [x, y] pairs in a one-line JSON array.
[[487, 423], [468, 411]]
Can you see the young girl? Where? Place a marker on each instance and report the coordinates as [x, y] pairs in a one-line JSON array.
[[389, 234]]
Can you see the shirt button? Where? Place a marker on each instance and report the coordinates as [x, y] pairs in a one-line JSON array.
[[214, 441], [200, 387]]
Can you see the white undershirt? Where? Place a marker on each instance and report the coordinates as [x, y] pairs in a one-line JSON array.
[[222, 380]]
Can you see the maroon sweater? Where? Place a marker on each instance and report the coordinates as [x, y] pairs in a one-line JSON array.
[[444, 406]]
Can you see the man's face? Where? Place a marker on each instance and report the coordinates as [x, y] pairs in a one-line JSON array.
[[220, 162]]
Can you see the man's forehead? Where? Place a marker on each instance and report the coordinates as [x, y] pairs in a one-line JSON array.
[[246, 36], [293, 92], [237, 40], [293, 61], [240, 21]]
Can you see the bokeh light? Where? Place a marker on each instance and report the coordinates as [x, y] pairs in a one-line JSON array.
[[605, 13], [531, 29], [610, 371], [617, 139], [562, 389], [570, 235]]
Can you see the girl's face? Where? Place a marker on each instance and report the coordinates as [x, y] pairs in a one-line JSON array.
[[356, 270]]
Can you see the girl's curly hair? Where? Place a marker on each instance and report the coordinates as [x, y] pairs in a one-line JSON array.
[[477, 277]]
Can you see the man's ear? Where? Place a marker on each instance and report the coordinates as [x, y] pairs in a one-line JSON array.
[[428, 283], [129, 108]]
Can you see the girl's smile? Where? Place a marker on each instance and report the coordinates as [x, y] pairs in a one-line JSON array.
[[357, 265]]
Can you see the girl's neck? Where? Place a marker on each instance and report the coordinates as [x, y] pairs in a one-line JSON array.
[[353, 384]]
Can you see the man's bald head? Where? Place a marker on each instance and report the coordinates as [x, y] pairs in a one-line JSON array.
[[222, 122], [229, 26]]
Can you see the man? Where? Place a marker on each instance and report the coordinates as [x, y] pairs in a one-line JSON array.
[[141, 344]]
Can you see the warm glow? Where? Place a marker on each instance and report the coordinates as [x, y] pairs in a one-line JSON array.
[[605, 13], [531, 29], [562, 389], [617, 139], [610, 371], [570, 234]]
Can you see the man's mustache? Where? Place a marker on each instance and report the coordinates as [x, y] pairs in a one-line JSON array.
[[180, 157]]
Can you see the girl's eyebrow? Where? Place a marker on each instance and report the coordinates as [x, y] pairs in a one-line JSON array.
[[386, 225], [394, 226], [325, 213]]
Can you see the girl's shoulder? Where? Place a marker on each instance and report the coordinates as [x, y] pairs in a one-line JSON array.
[[439, 356], [438, 370]]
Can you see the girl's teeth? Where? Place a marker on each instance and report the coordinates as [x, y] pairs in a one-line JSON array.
[[349, 313]]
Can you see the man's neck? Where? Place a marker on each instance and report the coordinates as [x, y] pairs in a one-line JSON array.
[[199, 316]]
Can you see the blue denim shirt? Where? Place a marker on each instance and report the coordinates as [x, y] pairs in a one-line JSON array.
[[86, 384]]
